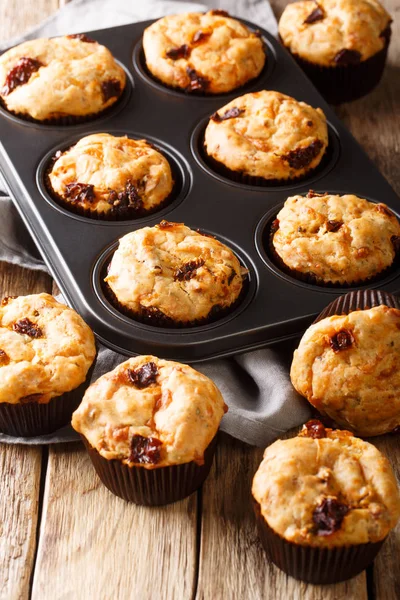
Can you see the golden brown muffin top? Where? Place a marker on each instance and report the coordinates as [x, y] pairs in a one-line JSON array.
[[58, 77], [335, 32], [204, 52], [151, 412], [46, 349], [348, 367], [340, 239], [267, 134], [105, 173], [180, 273], [326, 488]]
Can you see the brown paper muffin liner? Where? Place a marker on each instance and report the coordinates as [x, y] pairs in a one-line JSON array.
[[33, 418], [156, 318], [240, 177], [359, 300], [311, 564], [67, 120], [346, 83], [151, 487], [314, 280]]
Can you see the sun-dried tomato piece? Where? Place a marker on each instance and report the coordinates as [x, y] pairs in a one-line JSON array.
[[188, 270], [314, 429], [302, 157], [145, 450], [200, 36], [7, 299], [316, 15], [30, 398], [382, 208], [129, 197], [26, 327], [82, 37], [20, 74], [197, 82], [232, 113], [165, 225], [143, 376], [4, 358], [347, 57], [312, 194], [395, 239], [80, 192], [274, 225], [333, 226], [342, 340], [179, 52], [219, 13], [328, 516], [110, 89], [386, 34]]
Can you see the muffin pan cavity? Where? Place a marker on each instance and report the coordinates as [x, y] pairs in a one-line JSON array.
[[72, 123], [219, 318], [260, 82], [225, 175], [264, 233], [77, 249], [179, 167]]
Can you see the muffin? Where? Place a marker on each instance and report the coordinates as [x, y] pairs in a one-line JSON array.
[[171, 275], [266, 136], [149, 426], [63, 79], [207, 53], [348, 365], [340, 44], [325, 501], [328, 238], [108, 177], [46, 351]]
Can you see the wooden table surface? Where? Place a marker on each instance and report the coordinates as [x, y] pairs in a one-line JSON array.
[[64, 536]]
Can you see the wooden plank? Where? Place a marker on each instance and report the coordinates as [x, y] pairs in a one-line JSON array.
[[20, 481], [232, 561], [386, 578], [93, 544], [17, 17]]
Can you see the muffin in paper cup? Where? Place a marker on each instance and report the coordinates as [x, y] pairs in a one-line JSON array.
[[89, 80], [110, 178], [342, 47], [325, 501], [266, 138], [347, 362], [335, 240], [170, 275], [46, 356], [150, 429], [196, 52]]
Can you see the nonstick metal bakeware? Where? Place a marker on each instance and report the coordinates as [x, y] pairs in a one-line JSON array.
[[77, 250]]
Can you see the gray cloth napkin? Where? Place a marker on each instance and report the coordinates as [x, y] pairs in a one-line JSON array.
[[256, 385]]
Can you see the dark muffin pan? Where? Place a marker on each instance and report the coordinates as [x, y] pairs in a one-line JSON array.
[[275, 306]]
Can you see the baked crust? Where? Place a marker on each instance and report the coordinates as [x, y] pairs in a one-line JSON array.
[[338, 239], [72, 78], [219, 49], [173, 269], [274, 136], [46, 349], [298, 475], [180, 407], [355, 25], [353, 378], [111, 164]]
